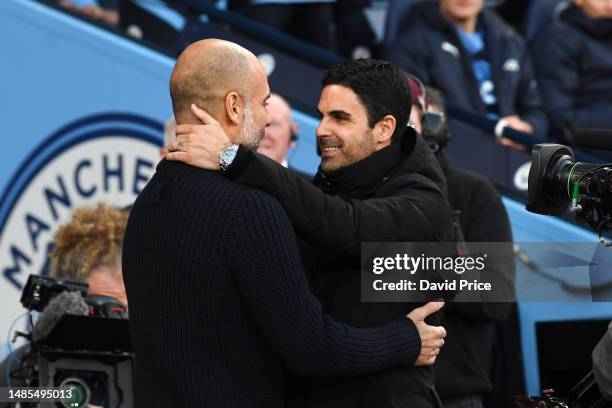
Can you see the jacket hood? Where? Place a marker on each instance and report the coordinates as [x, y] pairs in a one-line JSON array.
[[574, 16], [409, 156]]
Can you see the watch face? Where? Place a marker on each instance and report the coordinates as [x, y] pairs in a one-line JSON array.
[[227, 156]]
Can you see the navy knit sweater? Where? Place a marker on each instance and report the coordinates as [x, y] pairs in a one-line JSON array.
[[220, 305]]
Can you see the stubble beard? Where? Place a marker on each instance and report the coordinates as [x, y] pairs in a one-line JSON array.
[[353, 154], [250, 136]]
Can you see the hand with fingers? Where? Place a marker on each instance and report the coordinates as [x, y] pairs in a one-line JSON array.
[[199, 145], [432, 337]]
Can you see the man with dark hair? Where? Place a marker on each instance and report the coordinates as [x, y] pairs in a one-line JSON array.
[[573, 60], [219, 303], [371, 80], [377, 181]]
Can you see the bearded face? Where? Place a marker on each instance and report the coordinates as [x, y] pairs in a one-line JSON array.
[[251, 133], [344, 135]]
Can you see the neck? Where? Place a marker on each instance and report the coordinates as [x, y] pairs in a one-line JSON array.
[[231, 129], [107, 281], [467, 25], [382, 145]]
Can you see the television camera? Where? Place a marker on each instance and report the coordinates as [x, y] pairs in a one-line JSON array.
[[78, 342], [558, 183]]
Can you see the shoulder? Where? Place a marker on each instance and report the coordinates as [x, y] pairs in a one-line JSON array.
[[419, 168], [417, 36], [418, 25], [464, 182], [559, 36], [500, 29], [256, 203]]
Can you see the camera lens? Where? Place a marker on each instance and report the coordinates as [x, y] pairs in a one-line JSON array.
[[81, 394]]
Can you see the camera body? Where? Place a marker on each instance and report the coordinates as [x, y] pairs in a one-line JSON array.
[[79, 342], [558, 184]]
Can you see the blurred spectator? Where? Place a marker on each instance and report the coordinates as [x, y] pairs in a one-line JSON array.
[[417, 94], [478, 62], [463, 369], [281, 131], [88, 249], [104, 11], [169, 134], [309, 20], [573, 60]]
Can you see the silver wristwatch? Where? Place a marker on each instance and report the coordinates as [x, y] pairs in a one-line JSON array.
[[227, 156]]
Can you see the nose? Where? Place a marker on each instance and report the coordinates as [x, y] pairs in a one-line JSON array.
[[323, 129]]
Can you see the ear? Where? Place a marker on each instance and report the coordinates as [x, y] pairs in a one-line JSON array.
[[383, 130], [295, 128], [233, 107]]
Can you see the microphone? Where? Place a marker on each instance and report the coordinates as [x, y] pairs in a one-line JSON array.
[[592, 138], [68, 302]]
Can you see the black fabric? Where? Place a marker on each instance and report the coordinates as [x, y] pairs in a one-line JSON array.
[[602, 364], [573, 60], [464, 365], [396, 194], [306, 176], [424, 49], [153, 28], [352, 28], [309, 22], [219, 303]]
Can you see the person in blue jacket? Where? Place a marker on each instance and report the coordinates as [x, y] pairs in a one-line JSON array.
[[475, 59], [573, 60]]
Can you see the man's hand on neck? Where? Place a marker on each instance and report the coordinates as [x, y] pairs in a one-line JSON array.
[[200, 145]]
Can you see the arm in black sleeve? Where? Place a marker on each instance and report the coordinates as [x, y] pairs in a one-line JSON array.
[[486, 220], [414, 213], [266, 265]]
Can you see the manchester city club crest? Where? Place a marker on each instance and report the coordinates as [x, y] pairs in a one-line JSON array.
[[107, 157]]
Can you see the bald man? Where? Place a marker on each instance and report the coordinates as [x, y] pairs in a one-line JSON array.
[[278, 138], [219, 303]]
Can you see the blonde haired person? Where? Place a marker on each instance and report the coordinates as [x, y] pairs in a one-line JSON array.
[[88, 249]]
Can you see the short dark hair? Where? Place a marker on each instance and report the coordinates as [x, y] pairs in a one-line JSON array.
[[380, 86]]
